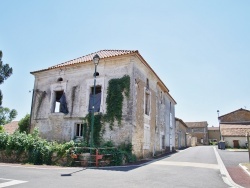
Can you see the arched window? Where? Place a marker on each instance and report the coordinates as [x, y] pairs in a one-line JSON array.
[[59, 79]]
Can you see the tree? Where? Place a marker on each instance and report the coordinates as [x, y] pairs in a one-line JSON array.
[[5, 72], [1, 129], [7, 115], [24, 124]]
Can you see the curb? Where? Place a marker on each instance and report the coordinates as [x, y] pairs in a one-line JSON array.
[[224, 173], [244, 168]]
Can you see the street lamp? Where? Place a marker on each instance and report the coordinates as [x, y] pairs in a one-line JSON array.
[[218, 112], [96, 60]]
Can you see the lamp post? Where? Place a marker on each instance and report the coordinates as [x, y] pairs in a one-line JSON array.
[[96, 60], [218, 112]]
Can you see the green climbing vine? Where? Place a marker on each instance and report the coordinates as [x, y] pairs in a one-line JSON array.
[[97, 134], [114, 99], [116, 89]]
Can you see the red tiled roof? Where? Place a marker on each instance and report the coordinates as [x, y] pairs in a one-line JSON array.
[[180, 120], [196, 124], [105, 54], [234, 130], [102, 54], [11, 127], [213, 128]]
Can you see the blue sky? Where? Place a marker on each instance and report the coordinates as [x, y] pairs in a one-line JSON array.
[[200, 49]]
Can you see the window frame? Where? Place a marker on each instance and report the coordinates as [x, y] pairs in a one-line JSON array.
[[147, 103], [78, 130]]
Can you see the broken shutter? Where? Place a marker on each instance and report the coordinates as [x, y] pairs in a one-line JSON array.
[[97, 103], [63, 104]]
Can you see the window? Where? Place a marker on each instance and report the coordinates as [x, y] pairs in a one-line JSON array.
[[79, 129], [58, 96], [97, 99], [147, 103], [163, 141], [147, 84], [146, 136], [161, 97]]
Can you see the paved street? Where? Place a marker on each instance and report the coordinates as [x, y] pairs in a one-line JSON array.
[[231, 160], [193, 167]]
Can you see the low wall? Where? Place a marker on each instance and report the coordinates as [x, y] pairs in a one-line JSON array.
[[23, 157]]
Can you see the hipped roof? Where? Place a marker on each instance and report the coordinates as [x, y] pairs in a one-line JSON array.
[[104, 54]]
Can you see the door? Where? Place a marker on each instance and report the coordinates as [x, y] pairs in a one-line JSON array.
[[236, 143]]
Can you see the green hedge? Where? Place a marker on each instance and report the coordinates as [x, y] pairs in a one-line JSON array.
[[38, 150]]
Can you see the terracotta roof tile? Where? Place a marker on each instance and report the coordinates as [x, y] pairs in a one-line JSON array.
[[197, 124], [102, 54], [105, 54], [234, 130], [213, 128], [11, 127]]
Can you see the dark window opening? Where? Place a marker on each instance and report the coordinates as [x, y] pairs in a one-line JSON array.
[[147, 84], [97, 97], [163, 141], [147, 103], [98, 89], [59, 79], [79, 129], [60, 104]]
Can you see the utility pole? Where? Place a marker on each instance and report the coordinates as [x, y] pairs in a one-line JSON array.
[[248, 144]]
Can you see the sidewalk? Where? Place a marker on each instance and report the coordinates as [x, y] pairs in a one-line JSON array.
[[231, 160]]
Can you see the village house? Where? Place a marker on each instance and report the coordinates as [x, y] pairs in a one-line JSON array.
[[62, 98], [234, 128], [213, 134], [182, 137], [199, 130]]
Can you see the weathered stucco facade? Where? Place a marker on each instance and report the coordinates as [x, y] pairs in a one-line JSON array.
[[181, 137], [198, 130], [148, 115], [234, 127]]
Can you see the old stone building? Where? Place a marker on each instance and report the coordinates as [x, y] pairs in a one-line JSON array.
[[182, 138], [213, 134], [62, 98], [199, 130], [234, 127]]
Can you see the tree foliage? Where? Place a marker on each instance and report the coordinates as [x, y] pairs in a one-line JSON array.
[[7, 115], [1, 129], [24, 124], [5, 72]]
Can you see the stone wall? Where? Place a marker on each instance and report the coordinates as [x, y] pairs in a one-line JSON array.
[[77, 81], [240, 115]]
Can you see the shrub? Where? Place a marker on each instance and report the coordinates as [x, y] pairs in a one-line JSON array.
[[38, 150], [24, 124]]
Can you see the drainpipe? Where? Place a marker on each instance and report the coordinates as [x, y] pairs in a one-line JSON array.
[[31, 108]]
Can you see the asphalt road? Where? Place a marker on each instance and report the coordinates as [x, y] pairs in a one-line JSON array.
[[190, 168]]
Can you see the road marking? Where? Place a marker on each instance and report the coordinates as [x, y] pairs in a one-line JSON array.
[[189, 164], [39, 167], [224, 173], [10, 182]]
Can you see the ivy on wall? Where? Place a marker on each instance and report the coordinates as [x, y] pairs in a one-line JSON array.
[[98, 131], [114, 99], [116, 88]]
